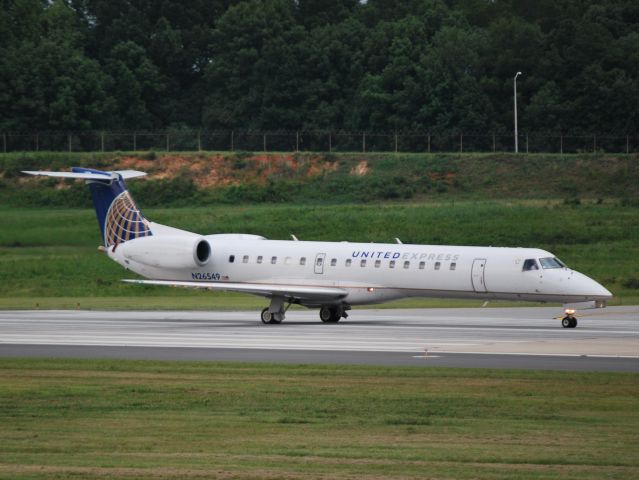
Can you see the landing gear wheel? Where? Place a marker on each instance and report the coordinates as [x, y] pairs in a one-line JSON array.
[[569, 322], [330, 314], [266, 316]]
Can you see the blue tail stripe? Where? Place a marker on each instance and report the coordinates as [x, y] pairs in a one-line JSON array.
[[125, 215]]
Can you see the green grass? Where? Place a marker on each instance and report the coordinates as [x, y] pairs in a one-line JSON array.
[[50, 256], [123, 419]]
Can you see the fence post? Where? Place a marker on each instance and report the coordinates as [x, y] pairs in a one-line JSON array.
[[330, 142], [37, 142], [135, 141], [627, 145], [199, 141], [297, 141], [526, 143], [594, 144], [102, 141], [395, 142], [4, 142], [461, 143], [561, 143], [428, 143], [364, 142], [70, 144], [168, 145], [494, 143], [264, 143], [232, 140]]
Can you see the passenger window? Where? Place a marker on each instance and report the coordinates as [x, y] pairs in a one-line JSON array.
[[362, 263], [530, 264], [406, 264], [391, 264], [319, 261], [453, 266], [303, 261], [273, 260], [245, 259], [259, 259], [348, 262], [437, 265], [333, 262], [231, 258], [377, 263], [422, 265]]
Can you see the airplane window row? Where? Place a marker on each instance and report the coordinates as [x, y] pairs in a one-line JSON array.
[[347, 263]]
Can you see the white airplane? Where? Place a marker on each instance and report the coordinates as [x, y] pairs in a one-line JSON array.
[[331, 276]]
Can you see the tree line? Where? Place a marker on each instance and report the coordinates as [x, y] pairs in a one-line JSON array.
[[376, 65]]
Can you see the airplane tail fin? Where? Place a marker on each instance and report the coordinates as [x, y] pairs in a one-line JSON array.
[[118, 215]]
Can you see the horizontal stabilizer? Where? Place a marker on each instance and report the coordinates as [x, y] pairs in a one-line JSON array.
[[263, 289], [126, 174]]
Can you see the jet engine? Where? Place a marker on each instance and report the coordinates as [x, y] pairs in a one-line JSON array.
[[171, 252]]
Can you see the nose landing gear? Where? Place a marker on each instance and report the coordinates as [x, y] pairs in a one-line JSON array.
[[569, 321]]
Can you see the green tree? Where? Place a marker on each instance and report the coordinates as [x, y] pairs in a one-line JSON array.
[[253, 76], [136, 85]]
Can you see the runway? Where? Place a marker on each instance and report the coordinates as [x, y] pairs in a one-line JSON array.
[[605, 340]]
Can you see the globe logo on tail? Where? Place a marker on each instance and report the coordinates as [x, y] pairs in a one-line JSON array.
[[124, 221]]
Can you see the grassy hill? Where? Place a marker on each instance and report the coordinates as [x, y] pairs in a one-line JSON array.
[[178, 179]]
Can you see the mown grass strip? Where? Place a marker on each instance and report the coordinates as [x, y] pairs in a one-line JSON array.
[[137, 419]]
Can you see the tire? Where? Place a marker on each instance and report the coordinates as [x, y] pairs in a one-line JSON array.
[[566, 322], [325, 314], [330, 314], [573, 323], [266, 316]]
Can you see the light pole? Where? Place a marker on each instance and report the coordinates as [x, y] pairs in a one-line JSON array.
[[515, 100]]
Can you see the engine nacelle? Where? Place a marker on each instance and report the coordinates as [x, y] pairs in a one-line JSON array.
[[175, 251]]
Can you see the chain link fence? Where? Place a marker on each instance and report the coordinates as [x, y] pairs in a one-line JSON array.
[[314, 141]]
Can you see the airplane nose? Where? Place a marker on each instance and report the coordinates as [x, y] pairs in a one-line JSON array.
[[590, 288], [600, 291]]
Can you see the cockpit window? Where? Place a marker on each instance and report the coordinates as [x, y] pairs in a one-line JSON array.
[[530, 264], [550, 262]]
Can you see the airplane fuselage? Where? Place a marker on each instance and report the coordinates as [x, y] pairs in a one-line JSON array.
[[374, 273]]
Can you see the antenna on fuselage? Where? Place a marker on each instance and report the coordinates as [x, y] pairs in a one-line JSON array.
[[294, 238], [398, 241]]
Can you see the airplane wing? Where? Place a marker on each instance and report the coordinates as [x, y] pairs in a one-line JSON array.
[[301, 292]]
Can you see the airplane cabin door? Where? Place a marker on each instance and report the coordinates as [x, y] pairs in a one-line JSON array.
[[477, 275], [319, 263]]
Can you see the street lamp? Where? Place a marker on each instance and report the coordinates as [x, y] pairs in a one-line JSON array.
[[515, 100]]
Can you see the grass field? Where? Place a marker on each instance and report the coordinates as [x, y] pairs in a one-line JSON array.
[[49, 257], [115, 419]]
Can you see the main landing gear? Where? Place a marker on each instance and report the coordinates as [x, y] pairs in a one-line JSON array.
[[332, 314], [569, 321], [275, 312]]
